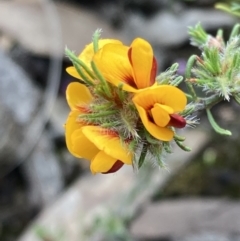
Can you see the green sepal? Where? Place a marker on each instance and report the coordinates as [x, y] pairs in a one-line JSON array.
[[113, 124], [189, 67], [104, 84], [76, 61], [233, 8], [183, 147], [235, 31], [198, 36], [121, 93], [177, 81], [215, 126], [237, 98], [189, 109], [169, 77], [142, 155], [132, 145], [95, 39], [98, 114], [150, 139], [179, 138], [167, 147]]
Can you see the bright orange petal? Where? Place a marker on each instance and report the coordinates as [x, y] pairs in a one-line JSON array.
[[112, 61], [71, 126], [82, 147], [141, 58], [160, 114], [88, 52], [160, 133], [108, 142], [73, 72], [102, 163], [164, 94], [77, 94], [87, 55]]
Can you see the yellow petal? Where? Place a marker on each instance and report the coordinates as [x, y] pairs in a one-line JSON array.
[[82, 147], [87, 55], [112, 61], [88, 52], [71, 126], [160, 114], [160, 133], [102, 163], [77, 95], [108, 142], [73, 72], [141, 58], [164, 94]]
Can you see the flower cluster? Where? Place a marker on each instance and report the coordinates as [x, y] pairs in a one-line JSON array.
[[217, 69], [120, 113]]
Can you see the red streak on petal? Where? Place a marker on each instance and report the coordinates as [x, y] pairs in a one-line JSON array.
[[129, 79], [177, 121], [130, 55], [109, 133], [116, 166], [153, 72], [83, 109]]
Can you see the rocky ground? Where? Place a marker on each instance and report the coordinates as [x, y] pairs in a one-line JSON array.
[[36, 171]]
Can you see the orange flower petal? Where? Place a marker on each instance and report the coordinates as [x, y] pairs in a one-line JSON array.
[[73, 72], [117, 165], [102, 163], [160, 133], [113, 63], [82, 147], [141, 58], [77, 94], [71, 126], [87, 55], [108, 142], [163, 94], [160, 114], [88, 52]]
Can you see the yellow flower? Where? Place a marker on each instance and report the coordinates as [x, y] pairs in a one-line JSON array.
[[87, 55], [158, 107], [135, 67], [102, 147]]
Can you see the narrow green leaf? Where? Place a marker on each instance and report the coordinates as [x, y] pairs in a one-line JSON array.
[[215, 126]]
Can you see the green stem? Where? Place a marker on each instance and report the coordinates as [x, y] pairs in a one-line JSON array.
[[211, 101]]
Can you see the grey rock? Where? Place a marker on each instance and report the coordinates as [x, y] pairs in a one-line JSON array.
[[179, 218], [19, 99], [52, 26], [124, 192], [43, 173], [209, 236], [170, 29], [23, 117], [17, 91]]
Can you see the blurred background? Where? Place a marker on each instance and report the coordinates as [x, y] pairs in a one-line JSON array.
[[48, 195]]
